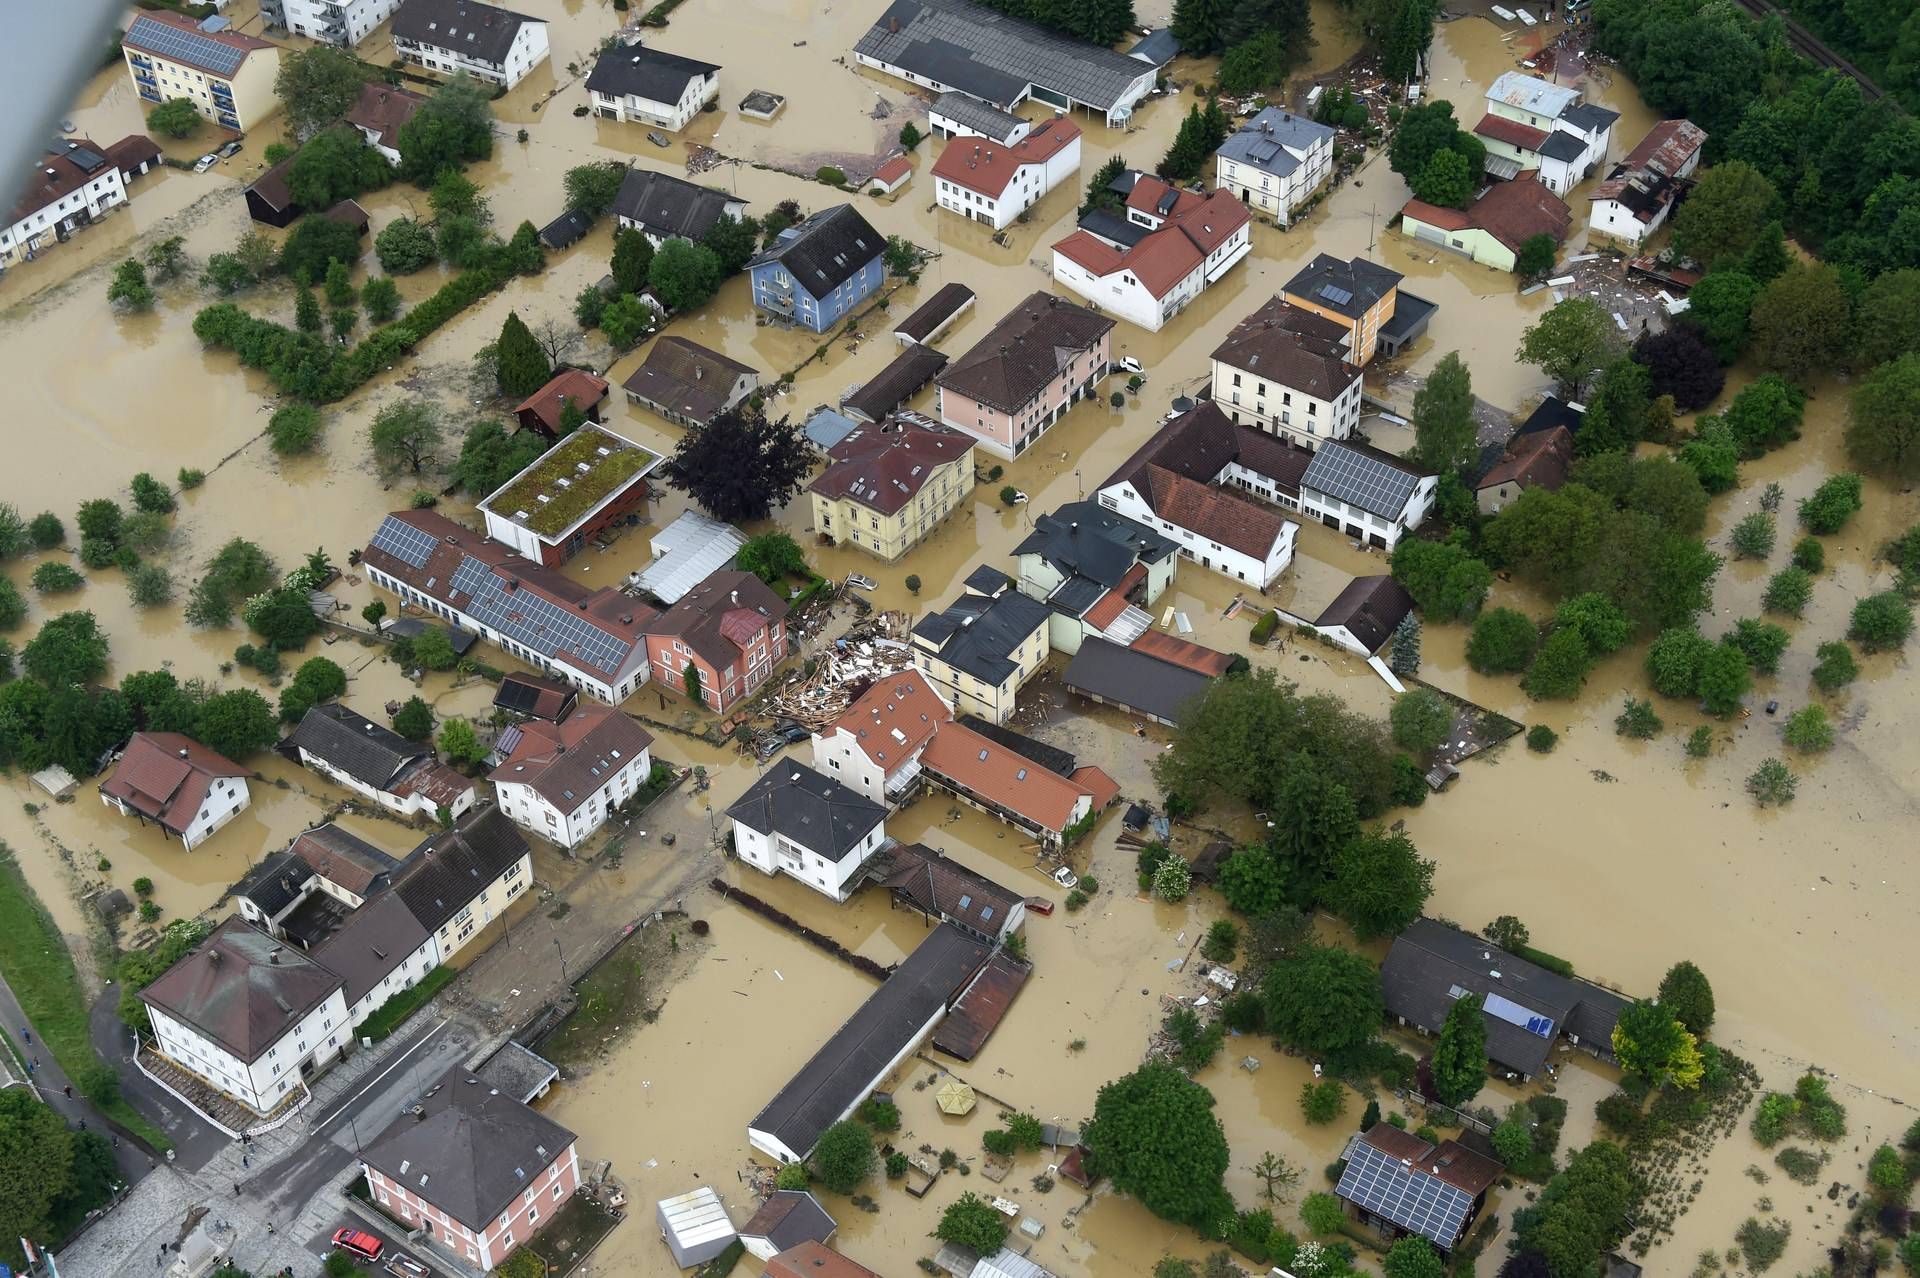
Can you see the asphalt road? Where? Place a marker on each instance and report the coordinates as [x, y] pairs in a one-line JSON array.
[[195, 1141]]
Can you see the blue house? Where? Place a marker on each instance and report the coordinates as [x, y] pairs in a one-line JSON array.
[[819, 269]]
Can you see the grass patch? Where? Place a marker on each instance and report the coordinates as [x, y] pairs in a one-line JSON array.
[[583, 490], [389, 1015], [41, 973], [612, 998]]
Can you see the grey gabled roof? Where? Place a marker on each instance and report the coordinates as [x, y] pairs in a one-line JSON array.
[[993, 56], [1369, 607], [788, 1218], [972, 113], [1263, 141], [826, 250], [447, 871], [1364, 477], [668, 206], [471, 1151], [1589, 116], [1563, 146], [1348, 287], [808, 808], [978, 634], [480, 31], [1085, 539], [653, 74], [376, 938], [1133, 679], [355, 744]]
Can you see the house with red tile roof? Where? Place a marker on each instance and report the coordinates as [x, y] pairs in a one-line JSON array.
[[987, 774], [731, 630], [889, 484], [1550, 129], [178, 784], [874, 747], [542, 410], [1191, 241], [893, 173], [1494, 228], [983, 181], [73, 183], [379, 112], [1537, 459], [561, 781]]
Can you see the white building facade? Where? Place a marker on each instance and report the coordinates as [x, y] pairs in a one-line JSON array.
[[73, 199], [342, 22], [1275, 162], [433, 38], [265, 1081]]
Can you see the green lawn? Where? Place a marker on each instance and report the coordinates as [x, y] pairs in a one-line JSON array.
[[41, 974], [389, 1016]]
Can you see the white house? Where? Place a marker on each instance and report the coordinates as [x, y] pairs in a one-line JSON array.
[[983, 181], [1192, 241], [983, 646], [1275, 162], [488, 43], [404, 777], [563, 780], [380, 112], [957, 115], [874, 746], [249, 1015], [796, 821], [1638, 195], [172, 780], [73, 184], [461, 879], [1284, 370], [638, 85], [1369, 495], [381, 950], [342, 22], [1531, 124]]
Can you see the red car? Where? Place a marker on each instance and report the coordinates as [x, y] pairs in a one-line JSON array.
[[363, 1245]]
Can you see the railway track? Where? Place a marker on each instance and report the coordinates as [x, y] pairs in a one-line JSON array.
[[1808, 43]]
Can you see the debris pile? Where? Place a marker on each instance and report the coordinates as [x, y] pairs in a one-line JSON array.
[[871, 650]]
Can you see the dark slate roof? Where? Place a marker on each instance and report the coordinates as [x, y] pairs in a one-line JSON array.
[[987, 579], [518, 1071], [808, 808], [942, 887], [1263, 141], [934, 312], [241, 988], [668, 206], [1025, 352], [275, 882], [1430, 965], [448, 870], [654, 74], [979, 633], [852, 1060], [826, 250], [1201, 443], [1406, 1193], [1589, 116], [354, 744], [892, 386], [534, 696], [1085, 539], [1133, 679], [1370, 607], [376, 938], [788, 1218], [1157, 49], [1553, 411], [483, 32], [974, 114], [1563, 146], [569, 228], [1362, 476], [1111, 226], [471, 1151], [1364, 283], [1052, 758], [993, 56]]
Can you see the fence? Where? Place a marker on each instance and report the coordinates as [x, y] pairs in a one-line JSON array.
[[1447, 1114]]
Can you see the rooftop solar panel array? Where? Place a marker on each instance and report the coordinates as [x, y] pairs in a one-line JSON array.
[[1359, 480], [188, 47], [1407, 1196], [536, 622], [1514, 1014], [404, 542]]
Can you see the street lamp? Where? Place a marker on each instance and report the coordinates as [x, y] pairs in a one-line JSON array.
[[564, 978]]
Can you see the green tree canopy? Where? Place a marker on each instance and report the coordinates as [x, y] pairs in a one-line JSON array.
[[236, 723], [1724, 213], [1721, 304], [1502, 642], [1460, 1052], [404, 246], [522, 364], [36, 1154], [317, 86], [1446, 579], [1653, 1045], [1444, 181], [175, 118], [845, 1156], [1570, 342], [684, 274], [1323, 1000], [1379, 884], [1883, 420], [1155, 1135], [1444, 429], [414, 720], [742, 464], [405, 435], [971, 1222], [1685, 993], [1420, 719], [1802, 321], [70, 649], [451, 128], [335, 165], [591, 187]]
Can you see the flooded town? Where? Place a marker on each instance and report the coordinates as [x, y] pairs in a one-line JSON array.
[[1009, 638]]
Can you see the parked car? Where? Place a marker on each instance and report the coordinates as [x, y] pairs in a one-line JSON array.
[[359, 1243], [407, 1267], [658, 139], [1131, 364], [230, 150], [206, 162], [1066, 878], [1039, 905]]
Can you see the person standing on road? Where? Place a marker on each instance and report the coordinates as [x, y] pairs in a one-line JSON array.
[[68, 1089], [26, 1033]]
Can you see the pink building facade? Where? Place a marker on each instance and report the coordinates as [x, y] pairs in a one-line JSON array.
[[486, 1244], [1021, 379]]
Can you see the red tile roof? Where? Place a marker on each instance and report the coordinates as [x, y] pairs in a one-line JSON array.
[[719, 617], [382, 109], [132, 151], [1196, 227], [883, 466], [1667, 147], [893, 170], [1012, 781], [1114, 602], [566, 763], [1512, 212], [1182, 652], [55, 176], [1214, 513], [1505, 129], [229, 37], [904, 704], [984, 166], [165, 776], [815, 1260], [1026, 352], [1539, 460], [547, 403]]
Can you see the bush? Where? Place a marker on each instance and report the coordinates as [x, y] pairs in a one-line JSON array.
[[1502, 642], [1832, 504], [1009, 495], [1700, 742], [881, 1115], [404, 246], [1762, 1244], [1674, 659], [844, 1158], [971, 1222], [1322, 1102], [55, 578], [1788, 592], [293, 429], [1420, 719], [1222, 943], [1561, 668], [1172, 879], [793, 1176], [1512, 1141], [1771, 783], [1881, 621], [1753, 537], [1808, 729], [831, 176], [1541, 739], [1761, 642], [1322, 1213], [149, 585], [1834, 666], [1638, 721], [1263, 628], [1809, 554]]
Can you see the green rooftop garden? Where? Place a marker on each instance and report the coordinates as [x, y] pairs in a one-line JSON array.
[[583, 490]]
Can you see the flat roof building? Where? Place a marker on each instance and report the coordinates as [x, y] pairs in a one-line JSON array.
[[583, 484]]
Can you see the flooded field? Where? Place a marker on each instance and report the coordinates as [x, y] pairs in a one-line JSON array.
[[1666, 859]]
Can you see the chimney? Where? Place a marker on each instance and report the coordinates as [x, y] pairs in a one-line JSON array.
[[273, 956], [735, 595], [698, 372], [183, 752], [213, 957]]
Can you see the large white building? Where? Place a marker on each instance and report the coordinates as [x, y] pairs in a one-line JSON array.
[[1176, 244], [802, 823], [563, 780], [874, 746], [488, 43], [1285, 370], [638, 85], [986, 182], [342, 22], [74, 183], [1275, 162], [1531, 124], [1371, 496], [181, 786]]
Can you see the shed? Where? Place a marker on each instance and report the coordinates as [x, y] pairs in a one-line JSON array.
[[935, 315], [827, 428], [891, 175], [695, 1226], [893, 385], [566, 230], [349, 213], [788, 1218]]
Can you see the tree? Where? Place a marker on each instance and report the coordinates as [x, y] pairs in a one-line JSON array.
[[1765, 414], [1638, 721], [404, 246], [1802, 322], [1254, 64], [733, 241], [910, 136], [1154, 1134], [45, 531], [1421, 719], [454, 196], [294, 428], [1172, 879], [1444, 181], [315, 242], [1720, 306], [414, 721], [1502, 642], [1681, 364], [632, 260], [1598, 619], [317, 86], [129, 286], [1788, 592], [1404, 648], [1100, 192], [306, 310], [1560, 669], [1408, 40], [489, 456], [38, 1152], [1322, 1102], [741, 465], [971, 1222], [589, 305], [1379, 884], [1887, 320], [1569, 342], [1512, 1141], [1189, 150], [523, 367], [1724, 213], [236, 723], [771, 557], [1687, 997], [1445, 432], [592, 187], [684, 274], [1881, 622], [239, 570], [1460, 1053], [1251, 881], [69, 649], [333, 166], [1200, 25], [381, 297], [1414, 1257], [1828, 508], [55, 578], [1834, 666], [1883, 422], [1323, 1001], [175, 118], [433, 649], [167, 258], [1761, 642], [1424, 132], [1322, 1213], [1536, 256], [626, 320], [1582, 1212], [1447, 581], [1653, 1045], [451, 128], [405, 434]]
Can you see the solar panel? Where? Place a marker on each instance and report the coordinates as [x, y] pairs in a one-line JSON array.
[[1407, 1196], [189, 47], [404, 542], [1338, 296], [1360, 480], [534, 621], [1513, 1014]]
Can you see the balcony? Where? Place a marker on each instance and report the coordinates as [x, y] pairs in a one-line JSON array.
[[139, 61], [146, 79], [229, 121], [151, 95]]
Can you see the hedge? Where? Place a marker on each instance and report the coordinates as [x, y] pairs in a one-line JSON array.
[[390, 1015], [1263, 629]]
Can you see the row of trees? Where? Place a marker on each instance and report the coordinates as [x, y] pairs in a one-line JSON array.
[[1259, 41], [1441, 161], [1102, 22], [50, 1175]]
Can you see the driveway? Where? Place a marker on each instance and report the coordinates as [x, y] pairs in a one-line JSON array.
[[195, 1141]]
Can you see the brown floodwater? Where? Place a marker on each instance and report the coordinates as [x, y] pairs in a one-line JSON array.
[[1670, 860]]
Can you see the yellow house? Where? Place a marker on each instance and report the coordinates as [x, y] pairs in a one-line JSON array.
[[227, 76], [1494, 228], [888, 485], [465, 877], [983, 646]]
